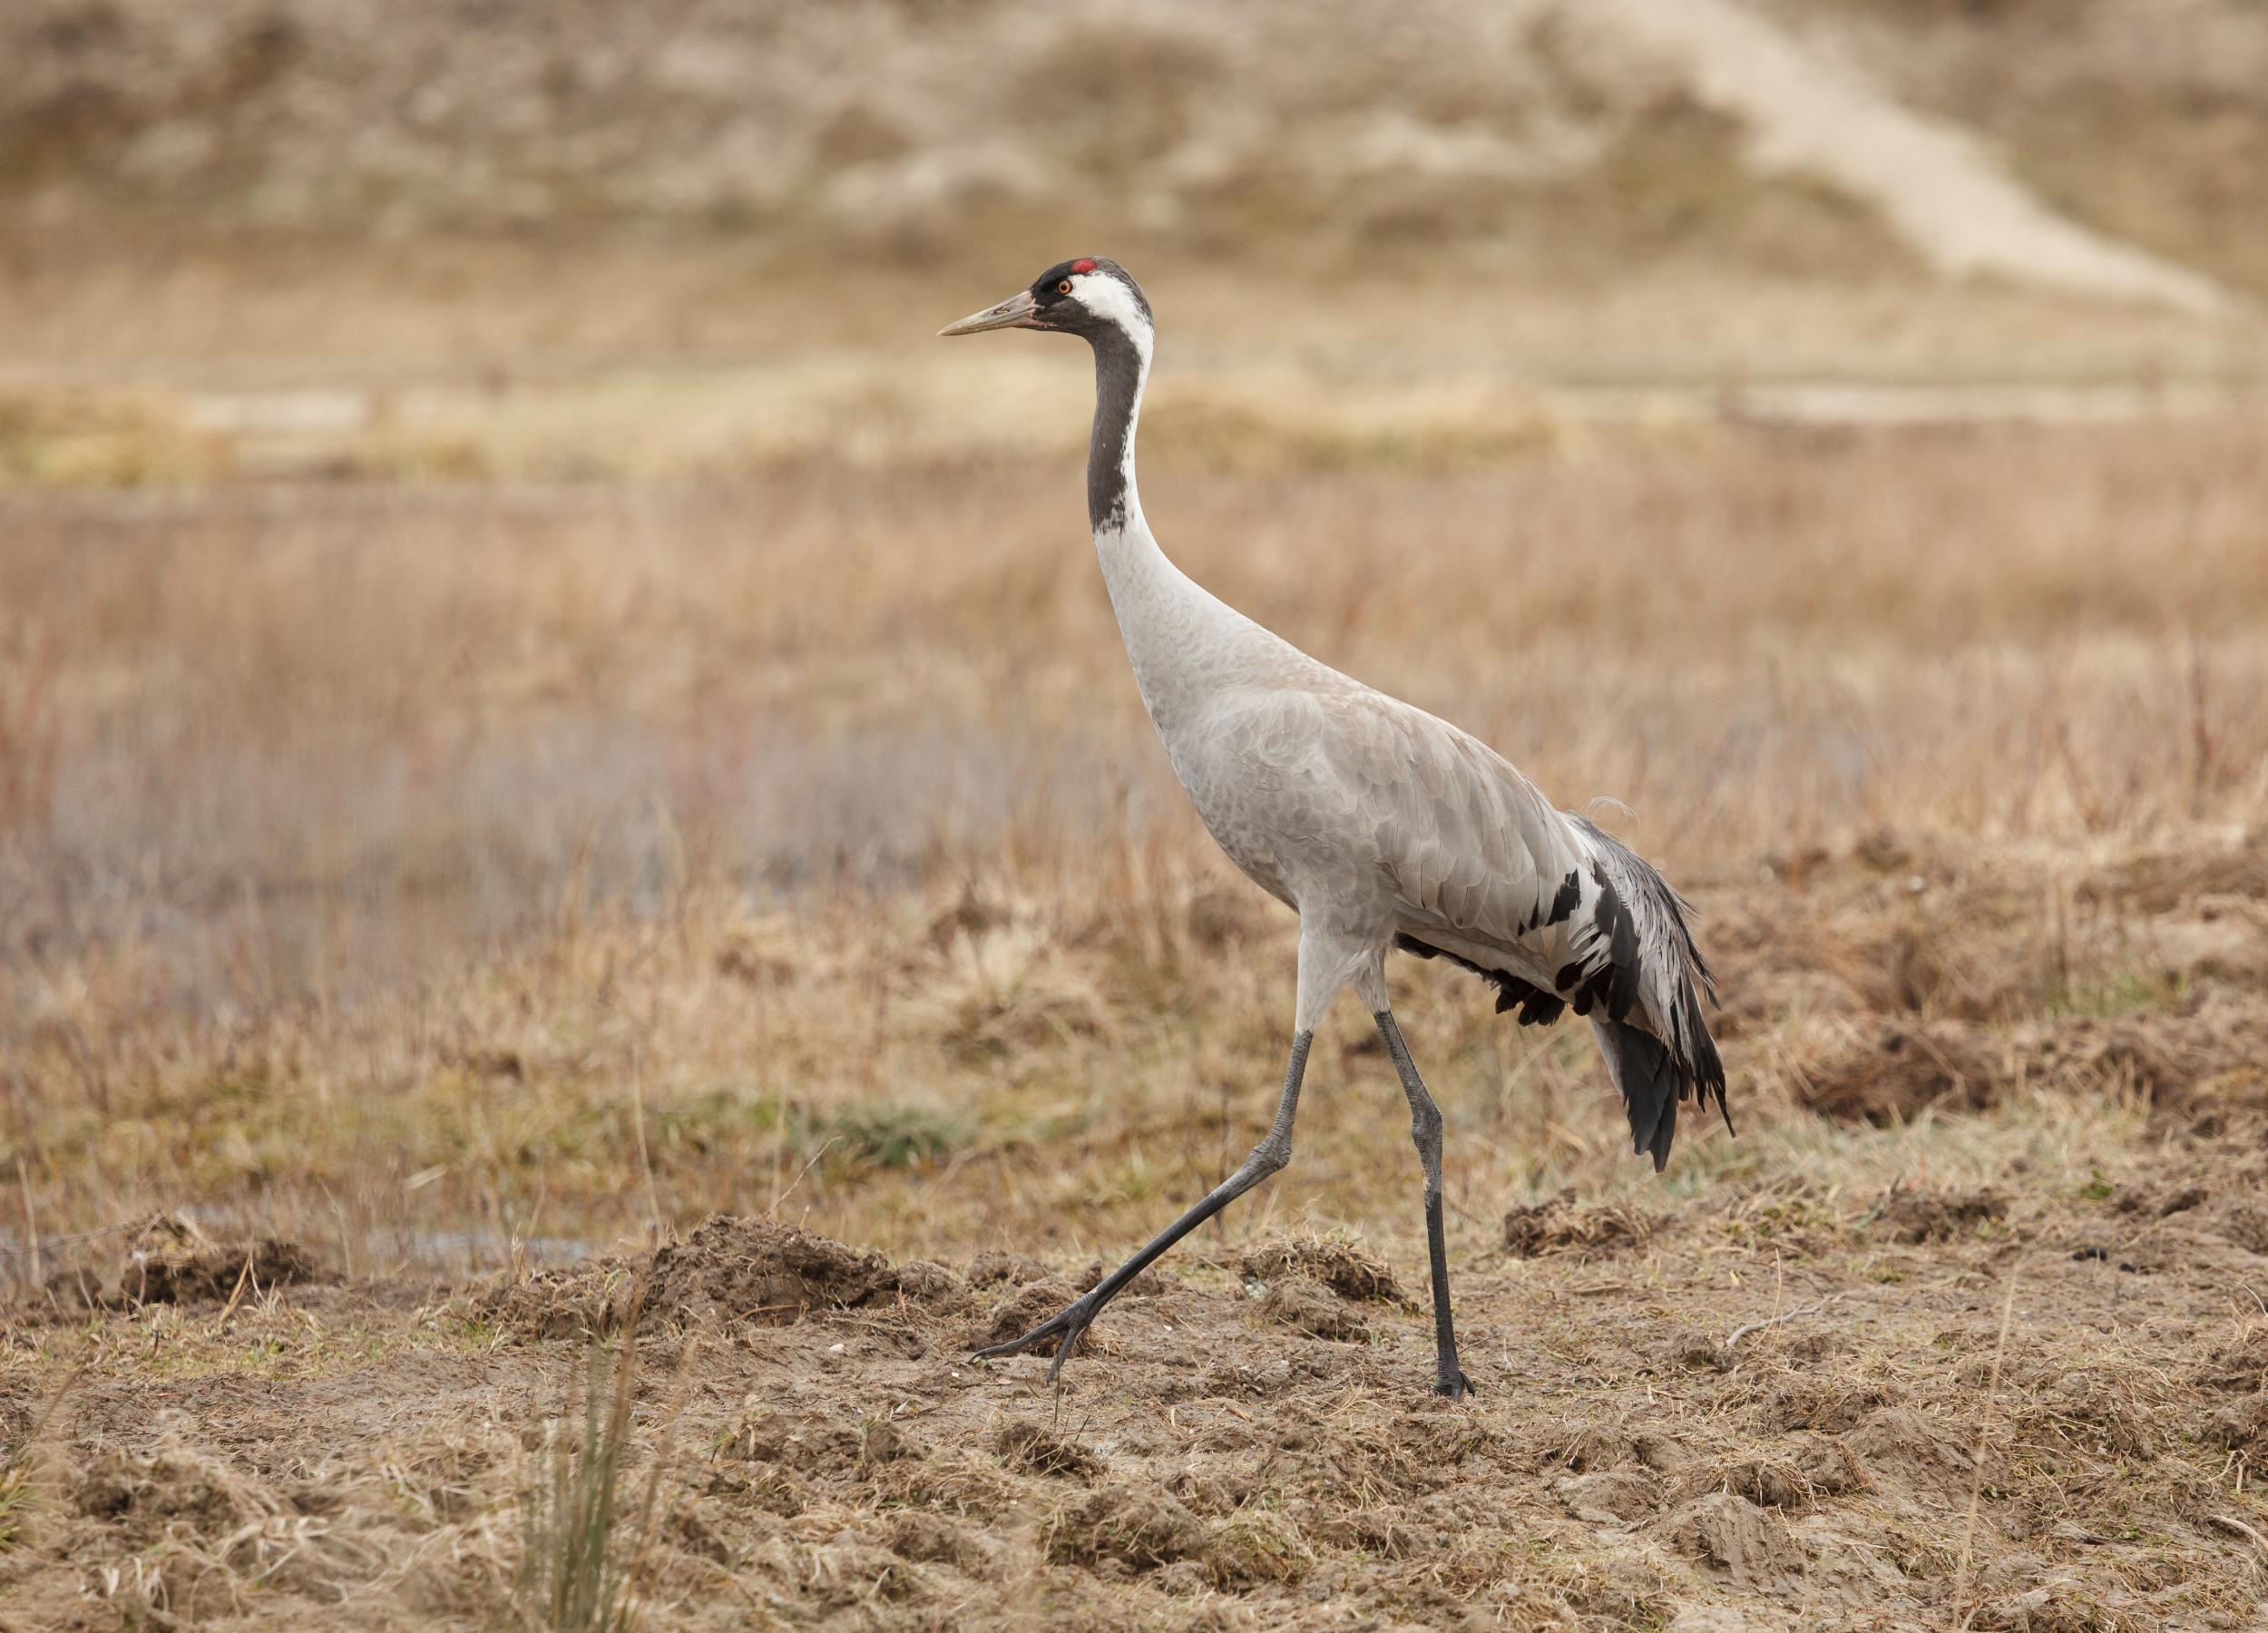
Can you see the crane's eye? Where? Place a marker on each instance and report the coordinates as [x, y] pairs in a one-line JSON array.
[[1063, 288]]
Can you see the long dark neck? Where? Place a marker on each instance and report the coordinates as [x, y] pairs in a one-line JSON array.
[[1119, 369]]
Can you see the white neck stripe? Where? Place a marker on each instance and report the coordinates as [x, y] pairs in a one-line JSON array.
[[1114, 302]]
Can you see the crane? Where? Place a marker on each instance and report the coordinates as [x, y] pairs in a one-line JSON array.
[[1381, 827]]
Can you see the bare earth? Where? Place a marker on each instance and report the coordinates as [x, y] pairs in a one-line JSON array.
[[1790, 1405]]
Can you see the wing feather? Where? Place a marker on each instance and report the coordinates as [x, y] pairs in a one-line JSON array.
[[1545, 903], [1467, 844]]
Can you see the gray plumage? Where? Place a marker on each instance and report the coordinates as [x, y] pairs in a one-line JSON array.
[[1380, 825]]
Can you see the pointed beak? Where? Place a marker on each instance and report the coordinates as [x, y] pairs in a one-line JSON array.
[[1015, 312]]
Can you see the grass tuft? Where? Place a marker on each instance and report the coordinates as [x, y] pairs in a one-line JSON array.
[[580, 1557], [893, 1134]]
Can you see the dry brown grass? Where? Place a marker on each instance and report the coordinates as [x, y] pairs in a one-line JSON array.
[[382, 831], [446, 879]]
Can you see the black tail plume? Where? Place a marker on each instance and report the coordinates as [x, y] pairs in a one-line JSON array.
[[1651, 1083]]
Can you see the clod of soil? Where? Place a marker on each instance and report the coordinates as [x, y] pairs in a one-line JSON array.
[[2244, 1428], [2242, 1222], [1040, 1451], [1343, 1266], [1818, 1466], [1149, 1283], [166, 1259], [848, 1573], [687, 1530], [2240, 1365], [934, 1540], [1611, 1496], [1893, 1073], [147, 1493], [1916, 1451], [2024, 1594], [1141, 1529], [728, 1270], [2161, 1202], [1561, 1224], [987, 1269], [2204, 1060], [926, 1283], [1029, 1306], [2142, 1051], [1307, 1307], [1587, 1445], [1374, 1530], [754, 1270], [1254, 1546], [2105, 1412], [1767, 1481], [882, 1442], [791, 1439], [1830, 1404], [204, 1531], [1830, 1468], [1940, 1215], [585, 1298], [1735, 1536]]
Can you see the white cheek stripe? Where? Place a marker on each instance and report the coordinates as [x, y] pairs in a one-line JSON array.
[[1108, 298]]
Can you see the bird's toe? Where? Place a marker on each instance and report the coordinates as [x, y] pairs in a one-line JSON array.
[[1067, 1323], [1013, 1346], [1046, 1330]]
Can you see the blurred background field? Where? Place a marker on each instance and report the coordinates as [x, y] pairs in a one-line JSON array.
[[306, 780], [472, 475], [449, 241], [537, 703]]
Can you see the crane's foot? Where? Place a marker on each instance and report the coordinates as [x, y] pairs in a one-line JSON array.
[[1451, 1381], [1066, 1324]]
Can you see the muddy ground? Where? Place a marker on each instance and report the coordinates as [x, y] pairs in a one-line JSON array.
[[1768, 1406]]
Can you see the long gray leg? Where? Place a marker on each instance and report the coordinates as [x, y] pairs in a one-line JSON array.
[[1267, 1158], [1425, 1132]]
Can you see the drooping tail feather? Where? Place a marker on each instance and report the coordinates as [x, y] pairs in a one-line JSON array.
[[1651, 1083], [1656, 1069], [1640, 979]]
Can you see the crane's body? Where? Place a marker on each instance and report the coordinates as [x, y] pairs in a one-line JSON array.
[[1372, 819], [1381, 826]]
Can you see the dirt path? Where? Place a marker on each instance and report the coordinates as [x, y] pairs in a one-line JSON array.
[[1933, 182]]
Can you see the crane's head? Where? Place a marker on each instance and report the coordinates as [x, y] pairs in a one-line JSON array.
[[1087, 296]]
